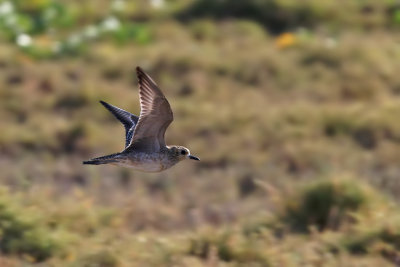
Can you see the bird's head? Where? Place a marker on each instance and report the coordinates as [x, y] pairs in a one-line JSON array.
[[181, 153]]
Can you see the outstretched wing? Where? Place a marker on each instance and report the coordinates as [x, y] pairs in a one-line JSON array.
[[155, 116], [127, 119]]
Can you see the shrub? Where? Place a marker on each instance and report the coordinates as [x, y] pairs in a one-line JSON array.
[[380, 238], [325, 204], [22, 236], [98, 259], [269, 13], [229, 247]]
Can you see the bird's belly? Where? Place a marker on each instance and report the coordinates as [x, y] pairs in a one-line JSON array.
[[145, 163]]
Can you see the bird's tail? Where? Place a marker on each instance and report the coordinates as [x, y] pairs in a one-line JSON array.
[[103, 160]]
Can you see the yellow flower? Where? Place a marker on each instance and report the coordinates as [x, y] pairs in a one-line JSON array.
[[285, 40]]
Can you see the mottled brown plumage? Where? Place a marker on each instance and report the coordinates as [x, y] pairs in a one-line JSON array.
[[146, 149]]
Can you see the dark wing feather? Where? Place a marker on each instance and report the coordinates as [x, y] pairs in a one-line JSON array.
[[155, 116], [129, 120]]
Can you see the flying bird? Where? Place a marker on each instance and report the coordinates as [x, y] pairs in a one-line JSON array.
[[145, 148]]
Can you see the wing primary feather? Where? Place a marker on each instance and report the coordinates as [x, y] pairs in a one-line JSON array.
[[128, 119], [155, 115]]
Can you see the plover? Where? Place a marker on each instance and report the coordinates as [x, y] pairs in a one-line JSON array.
[[145, 148]]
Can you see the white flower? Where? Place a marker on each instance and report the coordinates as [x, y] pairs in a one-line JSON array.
[[111, 24], [157, 3], [91, 32], [24, 40], [74, 39], [6, 8]]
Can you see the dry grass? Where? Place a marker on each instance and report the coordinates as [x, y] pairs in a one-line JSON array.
[[280, 121]]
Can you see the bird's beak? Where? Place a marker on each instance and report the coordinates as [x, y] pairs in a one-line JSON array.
[[193, 157]]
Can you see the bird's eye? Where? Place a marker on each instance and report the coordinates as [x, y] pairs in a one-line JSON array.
[[183, 152]]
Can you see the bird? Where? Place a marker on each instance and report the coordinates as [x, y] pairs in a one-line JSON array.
[[145, 148]]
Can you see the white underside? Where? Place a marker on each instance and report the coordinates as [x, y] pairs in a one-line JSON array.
[[146, 163], [144, 167]]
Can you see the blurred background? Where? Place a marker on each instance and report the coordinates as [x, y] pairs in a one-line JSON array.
[[292, 106]]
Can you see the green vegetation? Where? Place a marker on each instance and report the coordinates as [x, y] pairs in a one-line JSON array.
[[21, 234], [325, 205], [292, 106]]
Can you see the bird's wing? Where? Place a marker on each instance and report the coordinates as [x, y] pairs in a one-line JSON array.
[[129, 120], [155, 116]]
